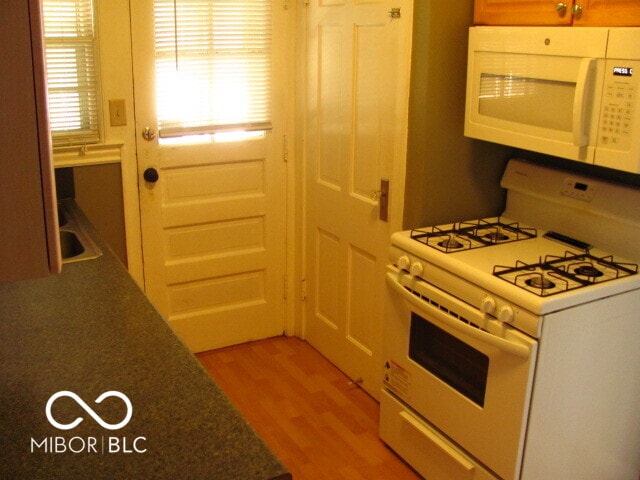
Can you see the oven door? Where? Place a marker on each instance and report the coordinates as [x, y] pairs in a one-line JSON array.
[[464, 372]]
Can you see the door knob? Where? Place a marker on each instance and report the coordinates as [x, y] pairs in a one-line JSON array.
[[148, 134], [561, 8], [375, 195], [151, 175]]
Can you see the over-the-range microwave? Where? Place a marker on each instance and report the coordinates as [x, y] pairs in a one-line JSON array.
[[570, 92]]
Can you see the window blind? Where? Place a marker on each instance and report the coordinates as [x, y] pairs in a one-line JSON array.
[[213, 66], [71, 71]]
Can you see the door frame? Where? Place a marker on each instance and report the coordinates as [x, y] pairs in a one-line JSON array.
[[295, 323]]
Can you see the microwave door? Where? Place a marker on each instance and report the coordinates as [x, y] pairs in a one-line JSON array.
[[538, 103], [540, 100]]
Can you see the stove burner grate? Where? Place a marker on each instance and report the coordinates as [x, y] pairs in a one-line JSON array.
[[472, 234], [560, 274]]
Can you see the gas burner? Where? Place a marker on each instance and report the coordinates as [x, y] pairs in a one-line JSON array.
[[588, 270], [540, 281], [472, 234], [496, 237], [560, 274], [450, 243]]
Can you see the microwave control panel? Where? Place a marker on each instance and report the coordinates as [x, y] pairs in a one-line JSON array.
[[619, 104]]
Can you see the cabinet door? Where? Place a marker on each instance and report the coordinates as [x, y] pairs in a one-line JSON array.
[[609, 13], [29, 242], [523, 12]]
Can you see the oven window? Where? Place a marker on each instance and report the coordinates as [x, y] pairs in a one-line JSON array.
[[451, 360]]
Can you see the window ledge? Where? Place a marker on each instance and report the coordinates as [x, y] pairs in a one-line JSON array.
[[96, 154]]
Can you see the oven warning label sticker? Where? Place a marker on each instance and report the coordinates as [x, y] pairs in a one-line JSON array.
[[397, 379]]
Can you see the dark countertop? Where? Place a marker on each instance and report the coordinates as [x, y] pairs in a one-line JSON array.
[[90, 330]]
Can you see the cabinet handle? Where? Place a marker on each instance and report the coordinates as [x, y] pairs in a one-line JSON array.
[[576, 11], [561, 8]]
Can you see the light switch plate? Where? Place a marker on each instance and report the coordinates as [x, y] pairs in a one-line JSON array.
[[117, 113]]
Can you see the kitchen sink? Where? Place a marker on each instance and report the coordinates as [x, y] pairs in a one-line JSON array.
[[62, 216], [76, 243], [70, 246]]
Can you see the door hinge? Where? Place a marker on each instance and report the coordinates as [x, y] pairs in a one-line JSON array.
[[303, 289], [285, 148]]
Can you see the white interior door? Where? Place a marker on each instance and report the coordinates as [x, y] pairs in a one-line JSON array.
[[358, 58], [213, 224]]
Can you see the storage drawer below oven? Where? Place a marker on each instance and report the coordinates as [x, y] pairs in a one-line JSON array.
[[426, 450]]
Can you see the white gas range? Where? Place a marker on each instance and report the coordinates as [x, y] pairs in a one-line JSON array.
[[510, 339]]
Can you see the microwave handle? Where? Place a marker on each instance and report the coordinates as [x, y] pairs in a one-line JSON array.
[[501, 343], [580, 101]]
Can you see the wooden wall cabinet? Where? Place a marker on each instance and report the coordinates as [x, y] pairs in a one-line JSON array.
[[29, 241], [593, 13]]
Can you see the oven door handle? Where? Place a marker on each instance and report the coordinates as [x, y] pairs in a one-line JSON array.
[[503, 344]]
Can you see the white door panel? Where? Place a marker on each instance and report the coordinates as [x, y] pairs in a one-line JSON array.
[[356, 107]]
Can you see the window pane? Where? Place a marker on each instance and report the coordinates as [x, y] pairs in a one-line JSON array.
[[213, 65], [71, 71]]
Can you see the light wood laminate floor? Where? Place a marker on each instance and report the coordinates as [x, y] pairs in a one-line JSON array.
[[304, 408]]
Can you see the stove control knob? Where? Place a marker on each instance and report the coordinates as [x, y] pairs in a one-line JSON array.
[[505, 313], [416, 269], [488, 305], [404, 262]]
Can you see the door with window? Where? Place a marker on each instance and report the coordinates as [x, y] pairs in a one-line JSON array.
[[356, 104], [209, 125]]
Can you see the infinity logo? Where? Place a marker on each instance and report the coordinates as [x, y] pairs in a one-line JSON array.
[[89, 410]]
